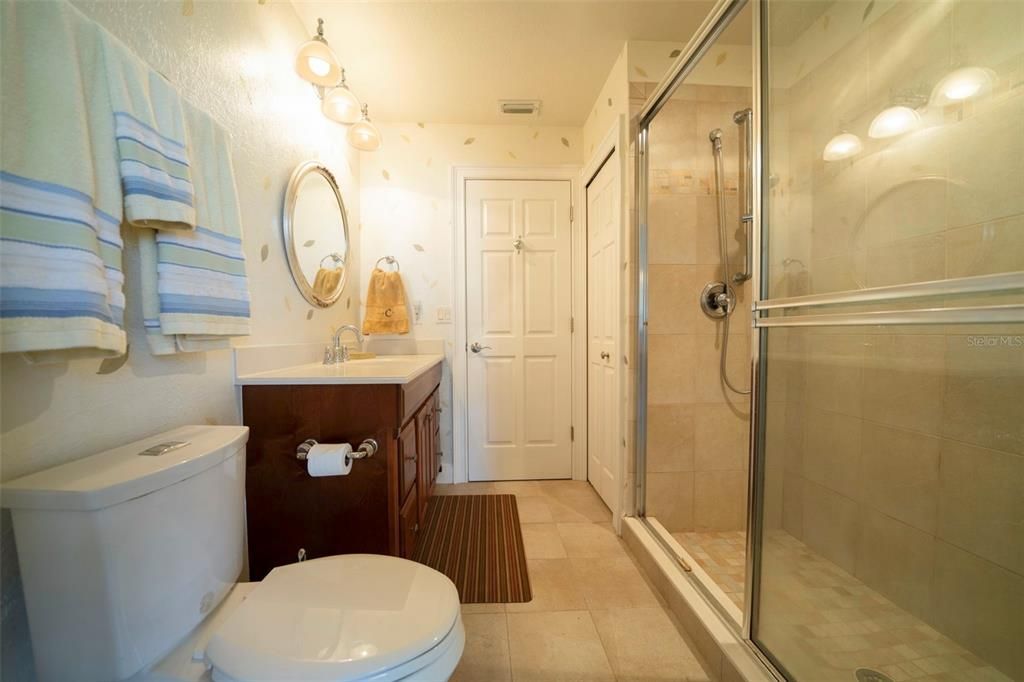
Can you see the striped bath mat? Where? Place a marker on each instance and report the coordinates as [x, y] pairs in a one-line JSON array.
[[475, 540]]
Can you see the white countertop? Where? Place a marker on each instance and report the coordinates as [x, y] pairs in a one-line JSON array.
[[383, 369]]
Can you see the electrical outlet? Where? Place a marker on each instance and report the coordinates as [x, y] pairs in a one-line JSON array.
[[444, 314], [417, 312]]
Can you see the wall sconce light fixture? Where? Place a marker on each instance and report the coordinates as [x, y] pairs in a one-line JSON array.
[[961, 84], [842, 146], [893, 121], [316, 63], [364, 135], [341, 104]]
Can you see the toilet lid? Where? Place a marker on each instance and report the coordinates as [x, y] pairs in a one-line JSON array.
[[338, 618]]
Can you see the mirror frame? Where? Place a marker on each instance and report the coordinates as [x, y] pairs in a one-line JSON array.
[[288, 232]]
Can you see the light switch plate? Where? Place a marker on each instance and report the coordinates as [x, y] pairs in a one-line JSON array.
[[417, 312], [444, 314]]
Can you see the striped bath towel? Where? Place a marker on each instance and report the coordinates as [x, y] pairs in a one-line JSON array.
[[150, 132], [195, 292], [61, 283]]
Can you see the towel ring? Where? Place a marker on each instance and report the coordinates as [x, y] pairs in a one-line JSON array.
[[390, 260], [339, 262]]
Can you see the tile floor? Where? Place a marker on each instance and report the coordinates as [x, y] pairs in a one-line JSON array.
[[824, 623], [593, 614], [722, 554]]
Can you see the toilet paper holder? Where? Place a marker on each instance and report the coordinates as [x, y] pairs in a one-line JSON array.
[[368, 448]]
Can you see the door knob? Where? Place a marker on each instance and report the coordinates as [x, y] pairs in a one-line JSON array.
[[476, 347], [606, 356]]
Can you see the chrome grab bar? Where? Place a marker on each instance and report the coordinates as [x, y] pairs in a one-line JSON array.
[[744, 119]]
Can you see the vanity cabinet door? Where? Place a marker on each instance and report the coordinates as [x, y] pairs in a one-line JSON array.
[[407, 458], [435, 469], [425, 436], [409, 525]]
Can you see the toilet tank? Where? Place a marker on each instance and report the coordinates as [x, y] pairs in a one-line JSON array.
[[124, 552]]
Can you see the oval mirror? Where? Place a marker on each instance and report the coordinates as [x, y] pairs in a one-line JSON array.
[[316, 234]]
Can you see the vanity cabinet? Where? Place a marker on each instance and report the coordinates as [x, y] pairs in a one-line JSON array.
[[378, 508]]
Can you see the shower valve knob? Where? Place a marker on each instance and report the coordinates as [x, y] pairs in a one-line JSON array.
[[717, 300]]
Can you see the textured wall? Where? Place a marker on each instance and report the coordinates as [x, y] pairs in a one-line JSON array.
[[407, 210], [611, 102], [234, 61]]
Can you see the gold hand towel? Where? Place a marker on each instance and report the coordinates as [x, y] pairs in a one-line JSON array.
[[326, 282], [386, 312]]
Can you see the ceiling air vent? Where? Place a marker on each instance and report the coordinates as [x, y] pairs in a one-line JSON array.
[[519, 107]]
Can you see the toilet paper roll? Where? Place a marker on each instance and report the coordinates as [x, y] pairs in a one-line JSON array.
[[329, 459]]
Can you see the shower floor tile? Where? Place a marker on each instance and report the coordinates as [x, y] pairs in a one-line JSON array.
[[723, 555], [824, 623]]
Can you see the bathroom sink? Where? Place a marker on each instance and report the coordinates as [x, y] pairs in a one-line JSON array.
[[382, 369]]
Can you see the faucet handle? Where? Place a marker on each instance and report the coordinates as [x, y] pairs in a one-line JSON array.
[[328, 355]]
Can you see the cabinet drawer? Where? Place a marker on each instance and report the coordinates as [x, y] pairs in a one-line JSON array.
[[409, 525], [407, 458]]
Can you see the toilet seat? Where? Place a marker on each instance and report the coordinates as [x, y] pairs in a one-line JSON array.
[[341, 619]]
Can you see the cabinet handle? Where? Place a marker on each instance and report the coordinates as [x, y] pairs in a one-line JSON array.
[[302, 554], [415, 528]]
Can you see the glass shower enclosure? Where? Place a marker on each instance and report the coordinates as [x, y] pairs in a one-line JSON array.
[[860, 513]]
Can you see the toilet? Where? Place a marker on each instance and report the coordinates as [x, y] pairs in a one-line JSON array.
[[130, 559]]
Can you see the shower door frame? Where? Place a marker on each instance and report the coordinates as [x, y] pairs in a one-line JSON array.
[[706, 37]]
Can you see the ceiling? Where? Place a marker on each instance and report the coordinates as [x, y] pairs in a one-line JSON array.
[[450, 62]]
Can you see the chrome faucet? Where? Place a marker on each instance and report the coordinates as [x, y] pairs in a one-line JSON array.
[[338, 353]]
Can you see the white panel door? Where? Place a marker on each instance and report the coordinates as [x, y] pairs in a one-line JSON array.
[[603, 331], [518, 308]]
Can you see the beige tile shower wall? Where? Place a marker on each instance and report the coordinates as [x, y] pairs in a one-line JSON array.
[[697, 429], [235, 61], [903, 458], [902, 449], [407, 212]]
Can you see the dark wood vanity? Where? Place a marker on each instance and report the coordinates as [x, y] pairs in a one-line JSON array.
[[378, 507]]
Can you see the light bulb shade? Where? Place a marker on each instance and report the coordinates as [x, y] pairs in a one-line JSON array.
[[893, 121], [842, 146], [317, 63], [364, 136], [341, 105], [962, 84]]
